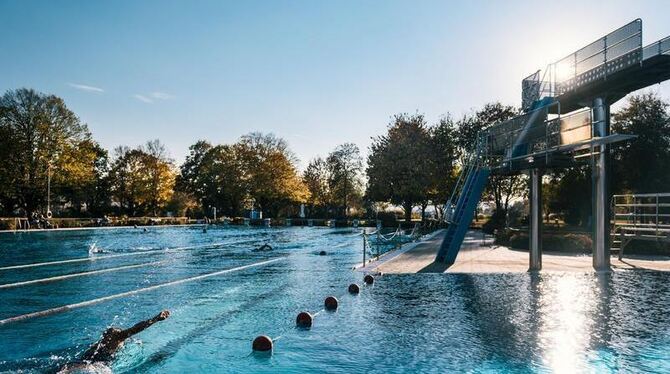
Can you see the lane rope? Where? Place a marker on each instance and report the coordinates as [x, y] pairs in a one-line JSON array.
[[97, 258], [82, 274], [65, 308]]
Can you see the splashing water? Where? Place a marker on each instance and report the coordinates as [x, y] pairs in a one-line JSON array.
[[93, 249]]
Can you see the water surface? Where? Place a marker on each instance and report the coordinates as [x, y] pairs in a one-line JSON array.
[[403, 323]]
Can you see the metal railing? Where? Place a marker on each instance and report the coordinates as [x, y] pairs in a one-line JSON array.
[[639, 216], [661, 47], [376, 244], [535, 134], [473, 161], [614, 52]]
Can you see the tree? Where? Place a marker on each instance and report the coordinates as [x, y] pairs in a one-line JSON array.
[[270, 173], [399, 162], [214, 176], [345, 166], [90, 185], [220, 180], [445, 154], [189, 171], [647, 117], [37, 133], [142, 179], [316, 177], [571, 195], [159, 176]]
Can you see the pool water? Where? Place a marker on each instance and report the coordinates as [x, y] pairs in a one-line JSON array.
[[403, 323]]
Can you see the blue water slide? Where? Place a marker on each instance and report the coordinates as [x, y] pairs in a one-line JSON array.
[[463, 214]]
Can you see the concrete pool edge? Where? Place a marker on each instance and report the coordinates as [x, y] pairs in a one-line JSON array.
[[477, 256], [373, 264]]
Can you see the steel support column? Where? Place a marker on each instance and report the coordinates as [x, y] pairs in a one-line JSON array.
[[535, 221], [599, 182]]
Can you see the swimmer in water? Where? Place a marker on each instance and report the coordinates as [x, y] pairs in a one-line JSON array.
[[264, 247], [100, 354]]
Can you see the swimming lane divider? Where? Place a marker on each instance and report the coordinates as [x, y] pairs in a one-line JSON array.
[[65, 308], [97, 258], [82, 274]]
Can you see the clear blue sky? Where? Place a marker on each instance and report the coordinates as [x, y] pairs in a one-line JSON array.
[[314, 72]]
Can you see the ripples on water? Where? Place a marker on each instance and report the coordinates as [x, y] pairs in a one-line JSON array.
[[404, 323]]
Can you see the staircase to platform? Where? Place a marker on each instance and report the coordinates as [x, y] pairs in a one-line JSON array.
[[469, 193]]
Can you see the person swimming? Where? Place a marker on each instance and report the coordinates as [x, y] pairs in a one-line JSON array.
[[264, 247], [96, 357]]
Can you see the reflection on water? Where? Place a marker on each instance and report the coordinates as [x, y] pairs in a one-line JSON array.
[[567, 317], [562, 323]]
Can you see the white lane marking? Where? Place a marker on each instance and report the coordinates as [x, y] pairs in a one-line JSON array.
[[97, 258], [82, 304], [82, 274]]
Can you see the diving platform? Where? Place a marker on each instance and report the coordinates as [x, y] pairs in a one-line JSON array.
[[612, 66], [565, 123]]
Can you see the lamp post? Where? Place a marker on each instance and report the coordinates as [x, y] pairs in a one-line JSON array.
[[49, 191]]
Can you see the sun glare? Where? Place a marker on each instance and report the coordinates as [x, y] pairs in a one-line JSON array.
[[565, 331]]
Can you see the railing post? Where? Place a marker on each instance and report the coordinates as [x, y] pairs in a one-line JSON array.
[[656, 214], [364, 249]]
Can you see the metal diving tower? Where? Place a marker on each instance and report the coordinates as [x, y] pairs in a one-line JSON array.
[[565, 122]]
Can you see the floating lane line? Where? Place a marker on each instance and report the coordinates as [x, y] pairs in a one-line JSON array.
[[82, 274], [97, 258], [65, 308]]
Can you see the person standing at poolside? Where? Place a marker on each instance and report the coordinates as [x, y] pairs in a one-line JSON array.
[[96, 358]]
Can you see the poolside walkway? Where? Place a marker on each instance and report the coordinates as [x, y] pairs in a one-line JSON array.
[[479, 255]]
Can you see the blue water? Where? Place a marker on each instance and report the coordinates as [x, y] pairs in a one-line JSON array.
[[403, 323]]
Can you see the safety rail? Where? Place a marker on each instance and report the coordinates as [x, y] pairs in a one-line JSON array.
[[474, 160], [383, 244], [640, 217], [535, 134], [614, 52], [661, 47]]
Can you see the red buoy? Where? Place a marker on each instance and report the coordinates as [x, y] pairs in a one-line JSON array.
[[330, 303], [368, 279], [304, 319], [262, 343], [354, 289]]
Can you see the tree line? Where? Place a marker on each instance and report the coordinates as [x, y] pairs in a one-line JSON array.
[[413, 165]]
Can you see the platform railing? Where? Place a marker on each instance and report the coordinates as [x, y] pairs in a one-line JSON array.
[[615, 51], [641, 217], [526, 136], [660, 47]]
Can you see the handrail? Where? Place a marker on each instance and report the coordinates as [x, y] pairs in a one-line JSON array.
[[639, 216], [662, 194], [564, 74], [473, 160]]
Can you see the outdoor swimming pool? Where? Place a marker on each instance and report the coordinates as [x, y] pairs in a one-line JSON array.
[[426, 322]]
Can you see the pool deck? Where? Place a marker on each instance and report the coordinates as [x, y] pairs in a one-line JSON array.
[[482, 256]]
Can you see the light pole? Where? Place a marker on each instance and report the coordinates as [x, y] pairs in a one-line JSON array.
[[49, 191]]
